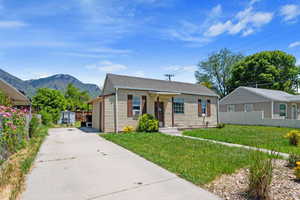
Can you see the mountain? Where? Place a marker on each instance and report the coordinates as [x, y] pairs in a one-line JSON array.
[[58, 82], [17, 83]]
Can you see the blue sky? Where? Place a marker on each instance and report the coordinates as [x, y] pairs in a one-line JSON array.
[[88, 38]]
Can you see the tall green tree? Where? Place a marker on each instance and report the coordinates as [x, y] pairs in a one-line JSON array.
[[49, 101], [267, 69], [76, 99], [216, 70]]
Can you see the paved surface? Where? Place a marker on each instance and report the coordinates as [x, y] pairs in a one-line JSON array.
[[75, 165]]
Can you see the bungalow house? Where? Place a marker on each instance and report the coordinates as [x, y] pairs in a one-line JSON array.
[[275, 104], [17, 98], [174, 104]]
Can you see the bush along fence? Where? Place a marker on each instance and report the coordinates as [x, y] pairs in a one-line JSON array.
[[13, 130], [20, 138]]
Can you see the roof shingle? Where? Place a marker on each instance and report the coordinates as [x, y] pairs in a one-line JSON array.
[[130, 82]]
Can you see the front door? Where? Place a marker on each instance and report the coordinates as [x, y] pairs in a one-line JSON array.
[[294, 112], [159, 113]]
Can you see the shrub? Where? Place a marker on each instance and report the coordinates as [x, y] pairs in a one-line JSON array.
[[46, 118], [147, 123], [260, 177], [294, 137], [293, 159], [128, 129], [221, 125], [297, 170], [33, 126], [13, 135]]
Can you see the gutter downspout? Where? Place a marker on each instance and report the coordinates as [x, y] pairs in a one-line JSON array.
[[117, 111]]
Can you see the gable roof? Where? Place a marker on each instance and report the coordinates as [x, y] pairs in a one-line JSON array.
[[267, 94], [15, 95], [137, 83]]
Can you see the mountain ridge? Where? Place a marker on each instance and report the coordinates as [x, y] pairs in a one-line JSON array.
[[57, 81]]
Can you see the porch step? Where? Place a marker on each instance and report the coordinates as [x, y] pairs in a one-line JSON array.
[[170, 131]]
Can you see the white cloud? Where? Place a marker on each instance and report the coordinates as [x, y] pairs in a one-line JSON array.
[[12, 24], [192, 32], [106, 50], [218, 29], [107, 66], [294, 44], [84, 55], [290, 12], [245, 22], [186, 68]]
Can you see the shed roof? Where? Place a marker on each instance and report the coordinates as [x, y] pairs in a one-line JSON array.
[[131, 82], [15, 95]]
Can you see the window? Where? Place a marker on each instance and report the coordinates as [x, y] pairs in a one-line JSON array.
[[178, 105], [231, 108], [204, 107], [248, 107], [282, 110], [136, 105]]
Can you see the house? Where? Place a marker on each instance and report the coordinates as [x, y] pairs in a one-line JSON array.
[[17, 98], [274, 104], [174, 104]]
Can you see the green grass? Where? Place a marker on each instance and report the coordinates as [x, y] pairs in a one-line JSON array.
[[258, 136], [197, 161]]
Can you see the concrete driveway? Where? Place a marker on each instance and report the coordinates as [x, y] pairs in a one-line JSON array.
[[73, 164]]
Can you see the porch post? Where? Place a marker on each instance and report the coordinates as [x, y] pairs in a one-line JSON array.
[[157, 107], [272, 109], [172, 111]]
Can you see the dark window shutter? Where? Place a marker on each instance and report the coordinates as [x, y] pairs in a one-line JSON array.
[[199, 108], [208, 108], [129, 106], [144, 104]]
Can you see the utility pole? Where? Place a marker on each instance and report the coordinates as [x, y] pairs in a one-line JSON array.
[[169, 76]]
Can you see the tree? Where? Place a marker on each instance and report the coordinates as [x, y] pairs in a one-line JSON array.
[[216, 70], [267, 69], [50, 101], [76, 99]]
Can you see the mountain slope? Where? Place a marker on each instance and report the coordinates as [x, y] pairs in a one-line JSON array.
[[60, 82], [17, 83]]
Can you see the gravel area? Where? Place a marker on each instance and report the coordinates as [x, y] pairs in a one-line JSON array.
[[234, 186]]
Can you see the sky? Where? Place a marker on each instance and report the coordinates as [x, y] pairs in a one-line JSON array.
[[146, 38]]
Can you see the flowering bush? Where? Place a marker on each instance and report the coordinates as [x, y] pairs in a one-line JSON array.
[[297, 170], [294, 137], [128, 129], [12, 130]]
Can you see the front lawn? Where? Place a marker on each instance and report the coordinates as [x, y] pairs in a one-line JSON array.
[[197, 161], [258, 136]]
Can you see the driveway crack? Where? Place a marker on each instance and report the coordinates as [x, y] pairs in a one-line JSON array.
[[139, 185]]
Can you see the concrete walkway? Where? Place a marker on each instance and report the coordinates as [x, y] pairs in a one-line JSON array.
[[75, 165], [179, 134]]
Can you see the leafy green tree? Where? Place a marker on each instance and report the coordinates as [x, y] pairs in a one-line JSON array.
[[50, 101], [216, 70], [267, 69], [76, 99]]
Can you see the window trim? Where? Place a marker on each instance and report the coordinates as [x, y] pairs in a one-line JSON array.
[[140, 110], [204, 102], [245, 107], [286, 107], [183, 106]]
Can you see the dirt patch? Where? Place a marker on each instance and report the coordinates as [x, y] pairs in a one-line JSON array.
[[234, 186]]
